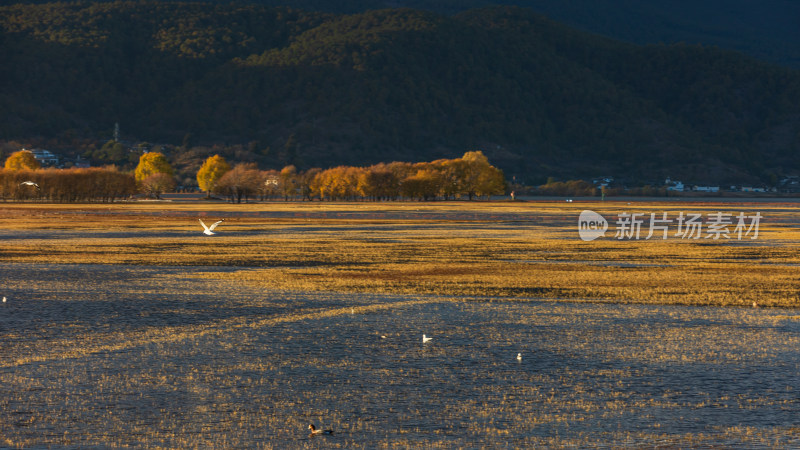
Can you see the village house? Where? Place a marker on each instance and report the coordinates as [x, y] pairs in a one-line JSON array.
[[697, 188], [45, 157], [753, 189], [602, 182], [675, 186], [790, 184]]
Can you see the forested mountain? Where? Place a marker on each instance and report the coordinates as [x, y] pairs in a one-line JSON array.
[[320, 89], [765, 29]]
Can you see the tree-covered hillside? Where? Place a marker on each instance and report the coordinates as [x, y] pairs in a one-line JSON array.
[[765, 29], [320, 89]]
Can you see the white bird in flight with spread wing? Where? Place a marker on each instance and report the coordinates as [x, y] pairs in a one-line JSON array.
[[208, 230]]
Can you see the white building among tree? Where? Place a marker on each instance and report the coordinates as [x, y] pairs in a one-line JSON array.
[[45, 157]]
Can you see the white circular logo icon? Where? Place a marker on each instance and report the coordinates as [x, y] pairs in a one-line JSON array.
[[591, 225]]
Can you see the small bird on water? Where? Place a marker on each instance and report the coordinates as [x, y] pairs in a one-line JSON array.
[[519, 356], [425, 339], [315, 431]]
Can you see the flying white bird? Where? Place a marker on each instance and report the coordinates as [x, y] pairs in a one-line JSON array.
[[208, 230], [29, 183], [425, 339]]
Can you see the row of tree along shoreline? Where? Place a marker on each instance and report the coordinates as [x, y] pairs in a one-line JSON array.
[[471, 177]]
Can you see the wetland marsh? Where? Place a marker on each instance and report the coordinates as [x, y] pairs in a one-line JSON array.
[[126, 327]]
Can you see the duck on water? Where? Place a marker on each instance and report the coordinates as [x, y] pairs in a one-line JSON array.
[[315, 431]]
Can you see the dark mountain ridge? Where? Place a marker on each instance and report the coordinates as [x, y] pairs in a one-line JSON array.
[[320, 89], [766, 29]]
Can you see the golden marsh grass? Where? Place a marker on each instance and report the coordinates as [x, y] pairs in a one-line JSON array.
[[126, 327], [515, 250]]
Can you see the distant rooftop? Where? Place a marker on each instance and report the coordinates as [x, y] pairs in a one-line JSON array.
[[45, 157]]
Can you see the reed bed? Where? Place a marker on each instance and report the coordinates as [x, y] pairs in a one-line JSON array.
[[511, 250], [126, 327]]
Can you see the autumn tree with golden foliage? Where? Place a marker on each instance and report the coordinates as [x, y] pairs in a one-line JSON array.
[[423, 185], [476, 164], [470, 176], [452, 173], [22, 160], [210, 172], [449, 179], [379, 182], [338, 183], [491, 181], [152, 172], [151, 163], [305, 181], [288, 182]]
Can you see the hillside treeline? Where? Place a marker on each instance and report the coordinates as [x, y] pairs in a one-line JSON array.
[[468, 177], [765, 29], [66, 185], [318, 89]]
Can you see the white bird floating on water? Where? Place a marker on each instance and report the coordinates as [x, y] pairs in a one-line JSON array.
[[4, 299], [519, 356], [315, 431], [425, 339], [208, 230]]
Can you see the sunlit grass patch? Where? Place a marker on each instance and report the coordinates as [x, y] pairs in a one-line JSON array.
[[515, 250]]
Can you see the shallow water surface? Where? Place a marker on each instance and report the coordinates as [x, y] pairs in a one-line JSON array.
[[164, 357]]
